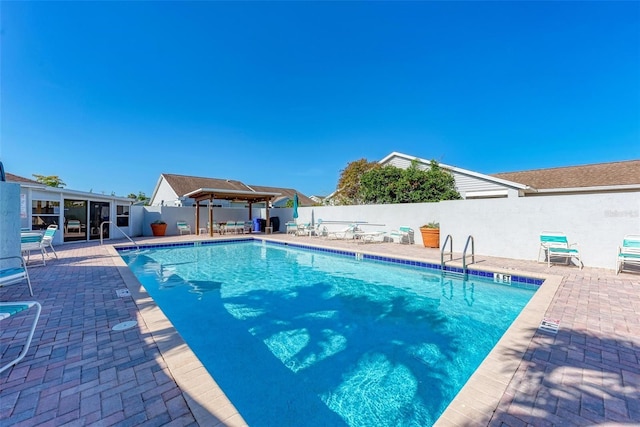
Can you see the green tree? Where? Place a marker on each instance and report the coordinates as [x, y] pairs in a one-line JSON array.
[[348, 191], [50, 180], [140, 197], [390, 184], [379, 186]]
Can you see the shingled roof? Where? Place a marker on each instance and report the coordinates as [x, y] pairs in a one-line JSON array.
[[184, 184], [286, 193], [585, 176], [15, 178]]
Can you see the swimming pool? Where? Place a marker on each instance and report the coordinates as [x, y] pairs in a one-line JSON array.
[[308, 338]]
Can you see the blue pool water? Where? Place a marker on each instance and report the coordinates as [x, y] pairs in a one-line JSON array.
[[296, 337]]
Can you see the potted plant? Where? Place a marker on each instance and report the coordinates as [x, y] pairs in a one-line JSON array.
[[430, 235], [158, 227]]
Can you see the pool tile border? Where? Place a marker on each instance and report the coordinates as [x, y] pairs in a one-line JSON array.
[[489, 275]]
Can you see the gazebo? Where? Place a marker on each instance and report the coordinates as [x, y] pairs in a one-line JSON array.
[[209, 194]]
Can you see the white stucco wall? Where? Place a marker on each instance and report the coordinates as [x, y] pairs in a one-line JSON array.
[[507, 227], [510, 227], [171, 215]]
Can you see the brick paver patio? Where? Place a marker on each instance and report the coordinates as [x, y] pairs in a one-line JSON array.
[[80, 372]]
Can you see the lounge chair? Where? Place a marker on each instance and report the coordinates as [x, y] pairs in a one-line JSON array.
[[183, 227], [555, 245], [629, 252], [32, 242], [291, 227], [403, 234], [13, 270], [47, 238], [371, 236], [74, 224], [232, 227], [346, 233], [240, 227], [318, 230], [8, 309], [304, 229], [216, 228]]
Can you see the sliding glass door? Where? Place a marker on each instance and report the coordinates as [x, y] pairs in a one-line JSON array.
[[98, 213], [75, 220]]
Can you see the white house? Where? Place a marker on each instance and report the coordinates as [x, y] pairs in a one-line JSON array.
[[470, 185], [585, 179], [41, 206]]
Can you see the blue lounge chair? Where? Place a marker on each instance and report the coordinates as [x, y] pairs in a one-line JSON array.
[[231, 227], [8, 309], [554, 244], [75, 225], [47, 238], [629, 252], [216, 228], [292, 228], [13, 270], [183, 227], [34, 241], [403, 234]]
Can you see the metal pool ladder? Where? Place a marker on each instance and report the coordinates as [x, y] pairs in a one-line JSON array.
[[119, 229], [464, 254], [444, 246], [449, 240]]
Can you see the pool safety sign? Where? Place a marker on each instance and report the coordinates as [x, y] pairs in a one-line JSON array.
[[502, 278], [549, 325]]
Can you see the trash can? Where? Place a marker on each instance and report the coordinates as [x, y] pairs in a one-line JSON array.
[[256, 224], [275, 223], [262, 223]]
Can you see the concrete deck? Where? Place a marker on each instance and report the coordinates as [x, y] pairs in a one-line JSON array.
[[80, 372]]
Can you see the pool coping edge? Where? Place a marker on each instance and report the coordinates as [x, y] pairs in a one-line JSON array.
[[207, 401], [490, 379]]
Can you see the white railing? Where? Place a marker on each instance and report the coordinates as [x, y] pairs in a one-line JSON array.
[[119, 229]]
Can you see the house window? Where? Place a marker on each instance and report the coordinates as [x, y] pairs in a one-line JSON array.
[[122, 215], [44, 213]]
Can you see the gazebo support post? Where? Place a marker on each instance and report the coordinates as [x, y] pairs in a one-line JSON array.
[[266, 204], [197, 217], [211, 216]]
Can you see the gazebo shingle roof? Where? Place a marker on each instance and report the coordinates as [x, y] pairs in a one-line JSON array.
[[286, 193], [183, 184]]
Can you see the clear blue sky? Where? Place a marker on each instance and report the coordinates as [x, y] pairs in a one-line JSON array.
[[109, 95]]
